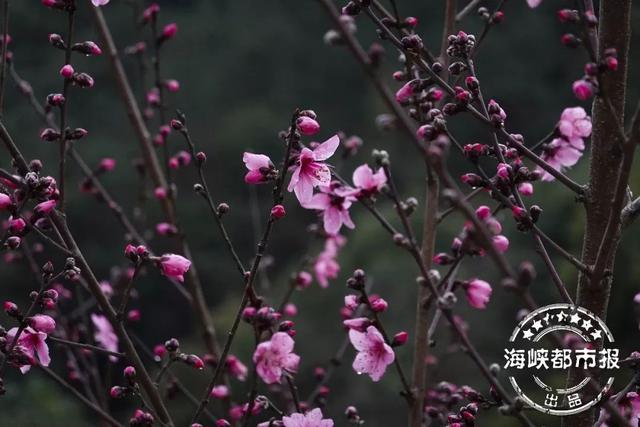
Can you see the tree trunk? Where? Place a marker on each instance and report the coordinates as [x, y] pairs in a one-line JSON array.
[[605, 165]]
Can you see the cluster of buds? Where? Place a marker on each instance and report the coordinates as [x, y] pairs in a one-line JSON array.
[[131, 388], [496, 18], [136, 254], [526, 219], [435, 125], [354, 7], [441, 401], [71, 271], [268, 319], [180, 159], [460, 45], [141, 419]]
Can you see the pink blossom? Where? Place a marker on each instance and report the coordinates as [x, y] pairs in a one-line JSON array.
[[326, 266], [534, 3], [169, 30], [582, 89], [104, 334], [17, 225], [275, 357], [260, 167], [45, 208], [107, 164], [67, 71], [501, 243], [312, 418], [359, 324], [5, 201], [34, 343], [172, 85], [334, 202], [478, 293], [406, 91], [629, 407], [367, 182], [175, 266], [220, 392], [160, 193], [525, 188], [574, 123], [42, 323], [237, 368], [165, 229], [351, 302], [559, 154], [310, 170], [98, 3], [307, 125], [374, 354]]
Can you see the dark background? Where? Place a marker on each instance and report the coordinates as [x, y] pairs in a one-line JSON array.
[[244, 66]]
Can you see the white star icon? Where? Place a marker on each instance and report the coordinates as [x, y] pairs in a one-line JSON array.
[[537, 325], [587, 325], [596, 334], [575, 318], [561, 316], [527, 334]]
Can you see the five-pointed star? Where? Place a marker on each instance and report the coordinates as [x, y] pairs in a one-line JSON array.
[[575, 318], [546, 318], [537, 325], [527, 334], [561, 316], [587, 324], [596, 334]]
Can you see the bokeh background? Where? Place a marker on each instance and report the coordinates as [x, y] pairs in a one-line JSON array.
[[243, 67]]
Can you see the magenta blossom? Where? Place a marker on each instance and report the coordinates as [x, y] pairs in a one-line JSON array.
[[560, 154], [260, 167], [582, 89], [104, 334], [175, 266], [5, 201], [478, 293], [367, 182], [312, 418], [310, 170], [237, 368], [334, 201], [42, 323], [574, 123], [326, 266], [34, 343], [45, 208], [374, 354], [275, 357]]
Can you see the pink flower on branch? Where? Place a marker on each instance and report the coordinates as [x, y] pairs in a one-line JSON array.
[[334, 201], [260, 167], [368, 182], [33, 344], [374, 354], [275, 358], [478, 293], [312, 418], [310, 170], [175, 266]]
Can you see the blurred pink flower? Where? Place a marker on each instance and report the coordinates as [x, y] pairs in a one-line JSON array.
[[275, 357], [367, 182], [312, 418], [574, 123], [42, 323], [534, 3], [560, 154], [478, 293], [104, 334], [310, 170], [374, 355]]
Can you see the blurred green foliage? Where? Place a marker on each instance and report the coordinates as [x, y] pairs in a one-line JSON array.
[[244, 66]]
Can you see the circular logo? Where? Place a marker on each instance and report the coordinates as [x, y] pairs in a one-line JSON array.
[[546, 344]]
